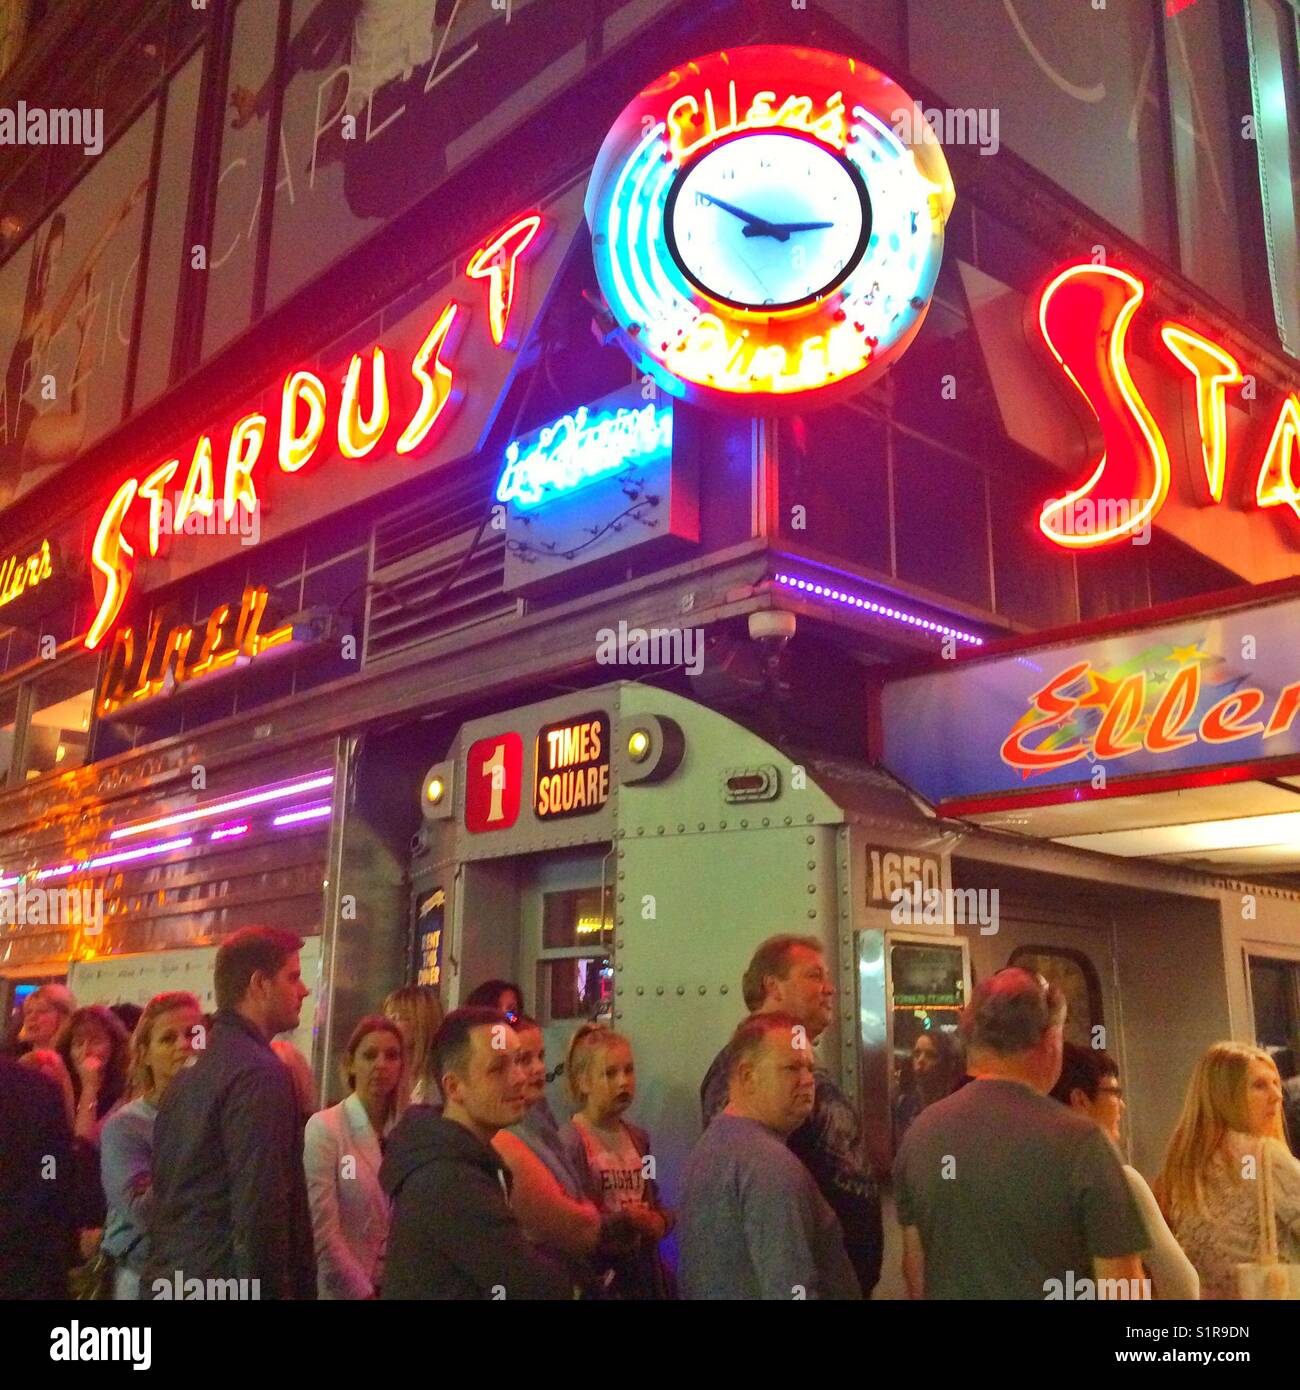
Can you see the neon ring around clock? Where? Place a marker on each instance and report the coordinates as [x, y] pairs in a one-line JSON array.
[[768, 222]]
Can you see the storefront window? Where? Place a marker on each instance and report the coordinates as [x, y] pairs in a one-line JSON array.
[[58, 730], [579, 987], [575, 918], [1275, 992]]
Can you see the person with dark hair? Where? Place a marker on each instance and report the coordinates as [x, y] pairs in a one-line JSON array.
[[502, 995], [936, 1069], [161, 1046], [343, 1150], [96, 1050], [128, 1014], [36, 1197], [968, 1161], [453, 1234], [753, 1223], [790, 974], [1089, 1085], [230, 1196]]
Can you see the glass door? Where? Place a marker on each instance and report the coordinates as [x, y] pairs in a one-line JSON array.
[[568, 941]]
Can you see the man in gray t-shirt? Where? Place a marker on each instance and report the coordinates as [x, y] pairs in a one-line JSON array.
[[753, 1223], [1001, 1192]]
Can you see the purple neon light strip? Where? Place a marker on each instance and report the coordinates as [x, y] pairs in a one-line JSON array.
[[218, 808], [881, 610], [104, 861], [309, 813], [228, 831]]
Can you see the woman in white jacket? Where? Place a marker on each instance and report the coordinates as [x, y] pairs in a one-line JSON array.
[[343, 1148]]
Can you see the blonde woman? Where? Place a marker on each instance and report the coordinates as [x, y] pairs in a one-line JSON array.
[[418, 1014], [163, 1042], [1208, 1187], [343, 1148], [607, 1153]]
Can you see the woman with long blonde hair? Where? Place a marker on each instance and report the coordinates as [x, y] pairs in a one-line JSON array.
[[1229, 1133], [417, 1011]]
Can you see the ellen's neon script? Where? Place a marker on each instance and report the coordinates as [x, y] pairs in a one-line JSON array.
[[579, 448]]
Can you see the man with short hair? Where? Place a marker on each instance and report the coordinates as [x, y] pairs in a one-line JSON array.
[[753, 1223], [229, 1192], [1001, 1192], [453, 1235], [789, 974]]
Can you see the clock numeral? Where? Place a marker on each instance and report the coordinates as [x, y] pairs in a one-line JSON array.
[[729, 175], [701, 200], [798, 255], [764, 163]]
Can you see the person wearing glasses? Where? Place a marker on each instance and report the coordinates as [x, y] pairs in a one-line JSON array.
[[1001, 1192], [1089, 1085]]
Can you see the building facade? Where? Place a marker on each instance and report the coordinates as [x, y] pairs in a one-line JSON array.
[[345, 511]]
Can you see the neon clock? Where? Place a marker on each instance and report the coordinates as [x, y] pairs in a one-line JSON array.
[[761, 229]]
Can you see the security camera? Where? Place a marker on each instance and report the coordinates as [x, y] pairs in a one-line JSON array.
[[772, 625]]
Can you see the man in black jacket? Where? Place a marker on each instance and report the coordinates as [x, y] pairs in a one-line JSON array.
[[453, 1235], [230, 1196], [37, 1230]]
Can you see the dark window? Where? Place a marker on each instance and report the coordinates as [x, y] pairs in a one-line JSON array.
[[1274, 986], [1076, 977], [942, 521]]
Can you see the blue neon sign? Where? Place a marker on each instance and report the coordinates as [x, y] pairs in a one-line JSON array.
[[578, 449]]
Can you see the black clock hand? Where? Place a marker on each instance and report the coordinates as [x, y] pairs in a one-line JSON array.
[[800, 226], [754, 226]]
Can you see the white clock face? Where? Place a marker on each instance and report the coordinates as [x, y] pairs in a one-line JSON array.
[[767, 220]]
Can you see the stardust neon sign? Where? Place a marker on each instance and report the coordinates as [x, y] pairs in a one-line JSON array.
[[1083, 319], [579, 448], [362, 404]]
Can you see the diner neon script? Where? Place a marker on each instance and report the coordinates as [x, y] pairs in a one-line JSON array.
[[579, 448], [140, 503]]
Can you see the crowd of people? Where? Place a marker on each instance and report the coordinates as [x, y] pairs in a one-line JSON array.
[[187, 1157]]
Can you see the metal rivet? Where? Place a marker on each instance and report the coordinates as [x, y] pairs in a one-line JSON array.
[[681, 989], [812, 912], [812, 887], [622, 874], [812, 863], [704, 989], [722, 824], [810, 839], [619, 990], [788, 820], [640, 989], [618, 945], [744, 825], [622, 896], [809, 818], [619, 967], [659, 989], [680, 827], [722, 989], [659, 830], [640, 830], [766, 821]]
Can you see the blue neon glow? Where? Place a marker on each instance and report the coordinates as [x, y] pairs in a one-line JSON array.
[[580, 448]]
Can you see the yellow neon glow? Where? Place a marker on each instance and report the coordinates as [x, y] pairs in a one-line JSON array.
[[246, 441], [1202, 357], [638, 744], [297, 447], [1276, 485], [496, 263], [197, 494], [435, 388], [106, 554], [434, 790], [709, 352], [152, 488], [688, 131], [357, 436], [1136, 406]]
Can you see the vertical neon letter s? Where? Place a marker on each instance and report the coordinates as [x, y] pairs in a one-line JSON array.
[[109, 555], [1083, 317]]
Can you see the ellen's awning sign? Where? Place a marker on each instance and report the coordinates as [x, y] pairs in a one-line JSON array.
[[1179, 698]]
